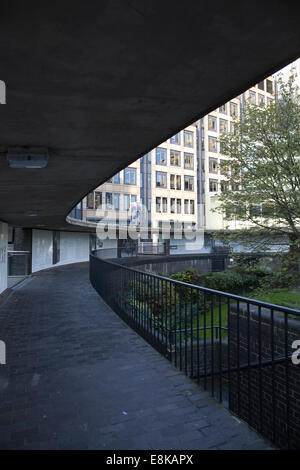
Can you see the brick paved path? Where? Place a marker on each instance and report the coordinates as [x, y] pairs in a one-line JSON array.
[[77, 377]]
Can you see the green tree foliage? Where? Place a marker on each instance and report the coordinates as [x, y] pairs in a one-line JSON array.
[[262, 186]]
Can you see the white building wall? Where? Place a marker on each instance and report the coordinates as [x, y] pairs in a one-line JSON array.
[[3, 255], [74, 248]]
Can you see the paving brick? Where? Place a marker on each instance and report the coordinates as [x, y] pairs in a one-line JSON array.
[[78, 377]]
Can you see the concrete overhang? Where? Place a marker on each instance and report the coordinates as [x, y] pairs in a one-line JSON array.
[[100, 83]]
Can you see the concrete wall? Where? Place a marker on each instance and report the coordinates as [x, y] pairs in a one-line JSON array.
[[3, 256], [74, 247]]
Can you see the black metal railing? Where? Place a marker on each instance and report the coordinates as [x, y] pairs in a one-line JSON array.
[[238, 348]]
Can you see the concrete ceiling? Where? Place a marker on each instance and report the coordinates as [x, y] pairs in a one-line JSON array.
[[100, 83]]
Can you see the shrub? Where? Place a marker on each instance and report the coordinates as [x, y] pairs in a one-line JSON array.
[[230, 281]]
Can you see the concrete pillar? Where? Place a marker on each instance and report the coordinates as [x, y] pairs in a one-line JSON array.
[[3, 256]]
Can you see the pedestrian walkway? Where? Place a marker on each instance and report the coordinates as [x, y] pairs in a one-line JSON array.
[[77, 377]]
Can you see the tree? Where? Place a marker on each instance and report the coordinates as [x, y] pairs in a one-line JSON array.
[[262, 175]]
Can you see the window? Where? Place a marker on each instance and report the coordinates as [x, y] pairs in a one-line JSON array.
[[202, 143], [188, 138], [109, 181], [223, 126], [98, 199], [130, 176], [186, 206], [252, 96], [108, 200], [212, 123], [213, 165], [133, 198], [235, 187], [270, 101], [269, 86], [161, 179], [141, 180], [233, 109], [158, 204], [233, 128], [164, 204], [116, 201], [176, 139], [189, 183], [161, 156], [172, 205], [116, 178], [223, 108], [178, 206], [172, 181], [175, 158], [178, 182], [188, 161], [90, 201], [224, 186], [213, 186], [212, 144], [126, 202], [261, 85], [261, 100], [192, 206]]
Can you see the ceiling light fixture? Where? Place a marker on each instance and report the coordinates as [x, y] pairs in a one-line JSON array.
[[31, 157]]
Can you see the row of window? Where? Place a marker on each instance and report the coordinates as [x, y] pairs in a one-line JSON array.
[[129, 177], [112, 200], [258, 98], [175, 181], [188, 138], [215, 184], [162, 205], [223, 125], [175, 158]]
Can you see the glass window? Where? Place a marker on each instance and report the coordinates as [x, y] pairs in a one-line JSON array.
[[172, 181], [213, 165], [141, 180], [213, 186], [186, 206], [108, 200], [164, 204], [116, 178], [261, 85], [188, 161], [192, 206], [90, 201], [98, 199], [161, 156], [116, 201], [252, 96], [178, 206], [175, 158], [212, 123], [109, 181], [133, 197], [202, 143], [176, 139], [130, 176], [233, 127], [158, 204], [223, 108], [233, 109], [269, 86], [261, 100], [223, 126], [172, 205], [126, 202], [189, 183], [188, 138], [178, 182], [161, 179], [212, 144]]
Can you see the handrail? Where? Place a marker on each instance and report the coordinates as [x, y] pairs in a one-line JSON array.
[[211, 291]]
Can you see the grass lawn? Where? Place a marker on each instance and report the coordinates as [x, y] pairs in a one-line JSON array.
[[283, 297]]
